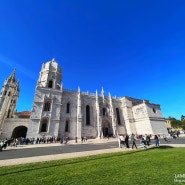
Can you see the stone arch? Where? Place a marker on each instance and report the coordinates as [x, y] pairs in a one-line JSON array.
[[106, 128], [19, 131], [50, 84], [44, 124]]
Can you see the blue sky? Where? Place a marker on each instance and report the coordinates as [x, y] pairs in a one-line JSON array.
[[130, 47]]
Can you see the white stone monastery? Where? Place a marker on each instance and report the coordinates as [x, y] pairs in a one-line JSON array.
[[74, 114]]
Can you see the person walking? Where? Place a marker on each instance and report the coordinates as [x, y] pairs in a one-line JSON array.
[[122, 141], [126, 141], [148, 140], [119, 141], [143, 143], [156, 140], [165, 138], [133, 141]]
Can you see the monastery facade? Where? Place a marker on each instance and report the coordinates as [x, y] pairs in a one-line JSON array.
[[74, 114]]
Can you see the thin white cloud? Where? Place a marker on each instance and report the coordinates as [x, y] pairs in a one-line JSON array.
[[19, 67]]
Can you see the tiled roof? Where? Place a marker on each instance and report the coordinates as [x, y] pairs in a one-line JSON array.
[[23, 113]]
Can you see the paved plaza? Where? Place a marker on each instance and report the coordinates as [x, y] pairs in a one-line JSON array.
[[23, 154]]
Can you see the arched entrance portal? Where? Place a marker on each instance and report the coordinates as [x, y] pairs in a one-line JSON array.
[[106, 128], [19, 131]]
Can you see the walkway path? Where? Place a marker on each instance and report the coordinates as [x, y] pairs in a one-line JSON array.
[[8, 162]]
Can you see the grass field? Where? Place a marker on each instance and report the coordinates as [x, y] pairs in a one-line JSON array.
[[154, 166]]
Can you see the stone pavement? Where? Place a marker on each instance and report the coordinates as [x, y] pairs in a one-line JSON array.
[[18, 161], [9, 162]]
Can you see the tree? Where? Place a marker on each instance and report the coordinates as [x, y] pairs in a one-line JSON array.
[[182, 118], [183, 124], [175, 123]]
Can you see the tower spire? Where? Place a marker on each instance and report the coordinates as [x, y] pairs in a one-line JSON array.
[[8, 97], [102, 92], [11, 78]]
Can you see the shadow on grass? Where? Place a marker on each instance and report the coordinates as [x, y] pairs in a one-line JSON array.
[[162, 147], [78, 160], [165, 147]]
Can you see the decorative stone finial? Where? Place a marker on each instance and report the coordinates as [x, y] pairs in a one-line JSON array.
[[78, 89], [96, 92], [109, 95], [102, 90]]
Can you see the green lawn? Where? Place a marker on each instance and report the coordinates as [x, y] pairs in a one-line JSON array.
[[153, 166]]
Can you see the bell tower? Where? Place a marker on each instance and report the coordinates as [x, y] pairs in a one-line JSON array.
[[50, 75], [8, 98], [45, 115]]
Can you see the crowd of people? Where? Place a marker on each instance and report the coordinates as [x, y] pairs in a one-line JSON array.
[[145, 140], [123, 140], [14, 142], [174, 134]]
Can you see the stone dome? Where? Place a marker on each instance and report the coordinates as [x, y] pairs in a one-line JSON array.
[[52, 66]]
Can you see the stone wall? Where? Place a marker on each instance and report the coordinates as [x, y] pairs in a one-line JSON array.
[[10, 124]]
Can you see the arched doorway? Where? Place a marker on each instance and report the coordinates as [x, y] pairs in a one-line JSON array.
[[106, 128], [19, 131]]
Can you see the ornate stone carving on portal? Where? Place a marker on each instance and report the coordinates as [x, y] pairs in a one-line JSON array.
[[139, 112]]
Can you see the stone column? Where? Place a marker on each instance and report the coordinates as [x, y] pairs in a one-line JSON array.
[[98, 115], [79, 117], [51, 110], [112, 115]]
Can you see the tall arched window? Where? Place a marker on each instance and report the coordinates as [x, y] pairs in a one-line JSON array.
[[87, 115], [104, 112], [50, 84], [44, 125], [68, 108], [47, 106], [9, 93], [67, 126], [118, 116], [8, 113]]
